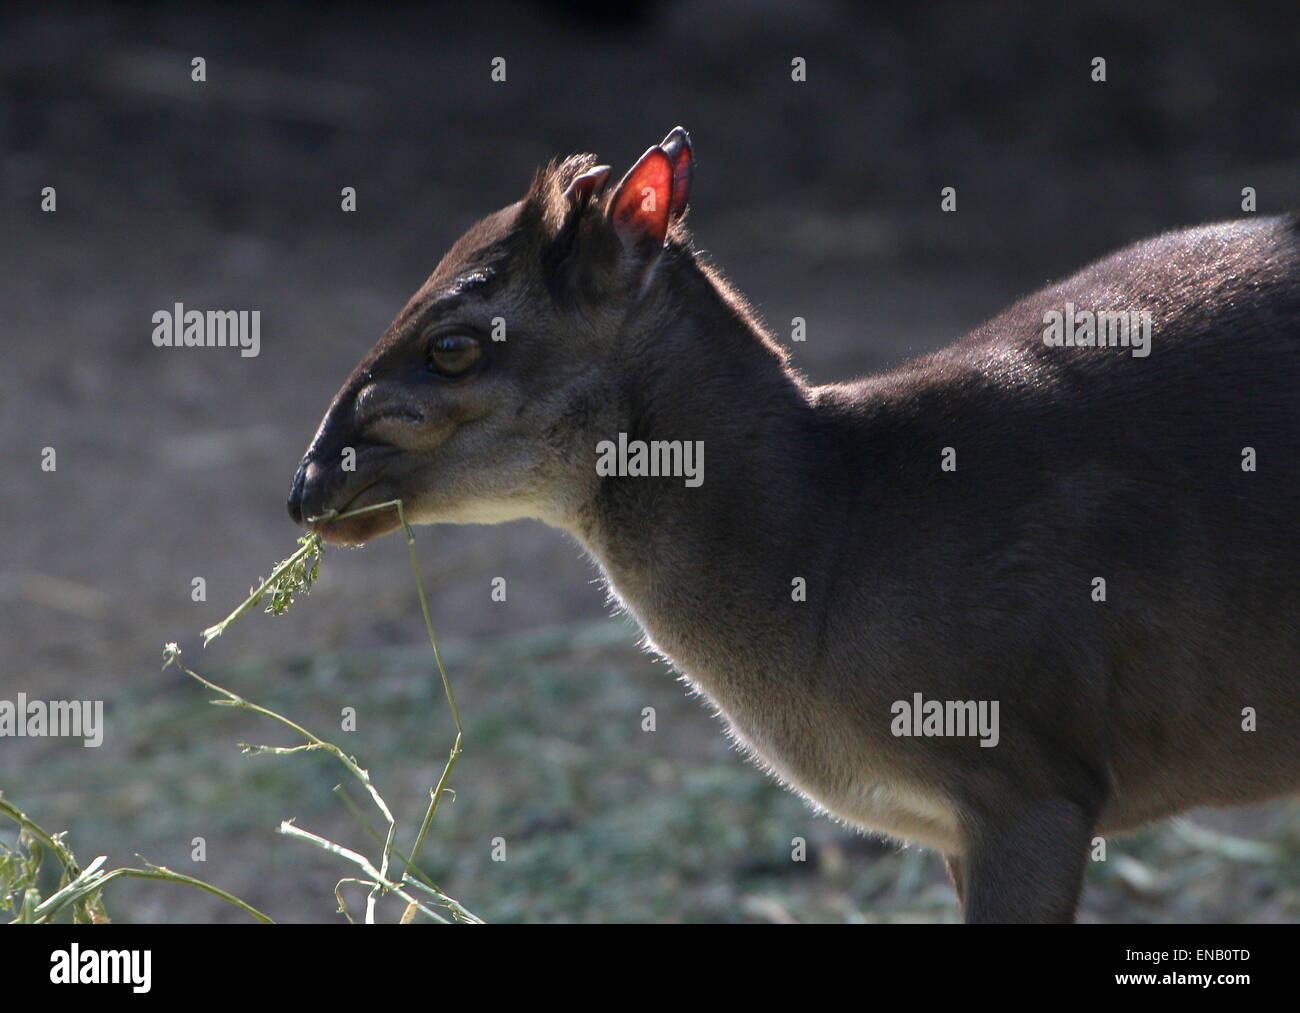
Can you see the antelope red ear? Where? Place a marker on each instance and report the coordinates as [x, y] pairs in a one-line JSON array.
[[677, 146], [589, 183], [640, 206]]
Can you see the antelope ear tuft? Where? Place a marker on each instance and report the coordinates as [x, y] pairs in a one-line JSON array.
[[641, 205], [677, 146]]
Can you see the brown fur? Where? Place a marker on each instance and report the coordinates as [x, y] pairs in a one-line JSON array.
[[1073, 463]]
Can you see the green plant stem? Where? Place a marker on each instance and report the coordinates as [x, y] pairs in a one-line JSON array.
[[85, 883], [458, 744], [311, 545], [170, 876], [379, 881], [173, 655]]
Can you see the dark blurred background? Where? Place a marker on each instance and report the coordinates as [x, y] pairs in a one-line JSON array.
[[820, 199]]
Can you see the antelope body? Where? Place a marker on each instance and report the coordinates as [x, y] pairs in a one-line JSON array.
[[933, 533]]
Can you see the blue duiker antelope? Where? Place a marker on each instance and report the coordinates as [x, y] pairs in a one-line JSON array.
[[1037, 587]]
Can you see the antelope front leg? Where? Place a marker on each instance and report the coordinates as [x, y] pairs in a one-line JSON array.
[[1026, 867]]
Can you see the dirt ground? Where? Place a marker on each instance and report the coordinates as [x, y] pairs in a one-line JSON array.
[[818, 198]]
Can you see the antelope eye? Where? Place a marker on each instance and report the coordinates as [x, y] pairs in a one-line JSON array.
[[453, 355]]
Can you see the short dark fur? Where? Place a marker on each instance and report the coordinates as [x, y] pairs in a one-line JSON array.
[[966, 585]]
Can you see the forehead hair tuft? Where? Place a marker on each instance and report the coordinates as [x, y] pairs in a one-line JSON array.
[[546, 194]]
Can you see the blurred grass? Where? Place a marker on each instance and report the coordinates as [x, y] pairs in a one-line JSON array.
[[602, 822]]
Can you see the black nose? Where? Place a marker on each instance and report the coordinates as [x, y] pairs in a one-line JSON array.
[[295, 493]]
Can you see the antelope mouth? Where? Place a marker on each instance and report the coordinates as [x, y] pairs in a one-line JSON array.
[[337, 529], [321, 497]]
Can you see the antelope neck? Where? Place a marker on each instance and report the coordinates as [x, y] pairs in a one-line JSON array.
[[708, 571]]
